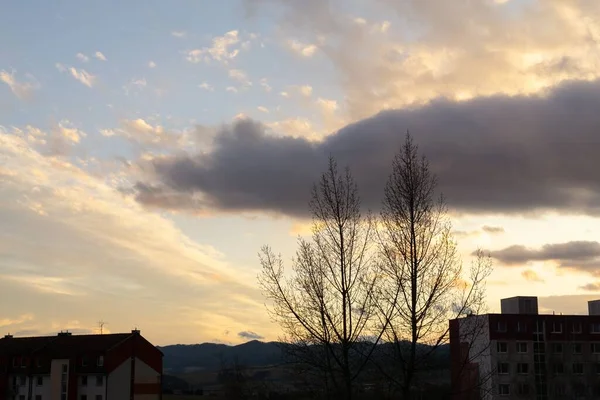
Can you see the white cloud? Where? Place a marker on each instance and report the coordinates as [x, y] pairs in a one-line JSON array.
[[107, 132], [82, 57], [327, 104], [220, 50], [305, 90], [231, 89], [296, 127], [303, 49], [151, 64], [93, 242], [69, 132], [79, 74], [284, 94], [206, 86], [262, 109], [178, 34], [265, 85], [240, 76], [20, 89], [100, 56]]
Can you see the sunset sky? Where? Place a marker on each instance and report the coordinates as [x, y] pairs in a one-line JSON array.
[[148, 148]]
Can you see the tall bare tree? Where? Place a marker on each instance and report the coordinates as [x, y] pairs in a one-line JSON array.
[[327, 303], [421, 262]]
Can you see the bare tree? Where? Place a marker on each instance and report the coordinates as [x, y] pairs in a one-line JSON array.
[[327, 304], [421, 262]]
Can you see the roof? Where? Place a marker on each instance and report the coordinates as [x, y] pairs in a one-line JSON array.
[[62, 344]]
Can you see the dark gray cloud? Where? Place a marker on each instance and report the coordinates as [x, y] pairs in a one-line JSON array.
[[492, 229], [497, 154], [580, 255], [250, 335], [591, 287]]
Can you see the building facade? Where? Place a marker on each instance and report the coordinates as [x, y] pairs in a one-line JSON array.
[[80, 367], [521, 354]]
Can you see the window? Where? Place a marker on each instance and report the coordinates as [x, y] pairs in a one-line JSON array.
[[578, 368], [23, 362], [21, 397], [560, 389], [595, 327], [596, 348], [100, 361], [521, 327], [556, 327], [503, 368], [83, 397], [557, 347], [40, 381], [63, 396], [558, 368], [576, 348], [502, 347], [22, 381], [65, 368], [523, 389], [501, 326], [38, 397], [98, 397], [99, 380], [84, 380], [38, 362], [539, 348], [84, 361], [504, 389], [522, 347], [522, 368], [576, 327], [598, 368]]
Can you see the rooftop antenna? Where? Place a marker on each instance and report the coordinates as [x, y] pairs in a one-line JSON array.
[[101, 324]]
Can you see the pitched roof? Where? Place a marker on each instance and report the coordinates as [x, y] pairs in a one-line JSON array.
[[62, 345]]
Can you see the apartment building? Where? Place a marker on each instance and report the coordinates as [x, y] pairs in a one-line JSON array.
[[521, 354], [123, 366]]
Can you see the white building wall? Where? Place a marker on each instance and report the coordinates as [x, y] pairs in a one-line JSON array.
[[475, 330], [56, 371], [45, 390], [21, 388], [119, 382], [92, 389], [145, 374]]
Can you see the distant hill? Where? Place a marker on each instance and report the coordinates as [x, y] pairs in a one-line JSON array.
[[210, 356], [181, 359]]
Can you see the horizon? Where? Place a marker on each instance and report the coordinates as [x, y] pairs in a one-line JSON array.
[[143, 166]]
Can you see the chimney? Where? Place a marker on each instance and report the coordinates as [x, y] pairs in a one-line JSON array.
[[65, 333], [135, 331], [594, 307], [8, 336]]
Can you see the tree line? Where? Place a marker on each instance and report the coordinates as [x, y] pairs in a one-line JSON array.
[[364, 280]]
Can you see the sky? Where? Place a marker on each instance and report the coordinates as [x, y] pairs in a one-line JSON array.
[[148, 149]]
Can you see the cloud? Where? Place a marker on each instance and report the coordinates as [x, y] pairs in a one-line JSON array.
[[240, 76], [294, 127], [221, 49], [79, 74], [531, 276], [303, 49], [591, 287], [178, 34], [566, 304], [82, 57], [4, 322], [100, 56], [499, 51], [516, 144], [231, 89], [143, 133], [263, 109], [578, 255], [22, 90], [492, 229], [207, 86], [250, 335], [265, 85], [96, 244], [151, 64], [135, 86]]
